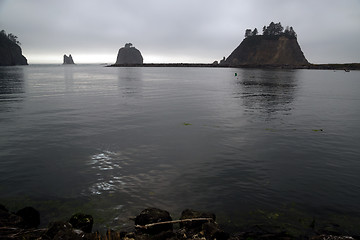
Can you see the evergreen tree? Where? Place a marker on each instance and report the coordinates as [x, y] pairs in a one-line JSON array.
[[10, 36], [255, 32], [247, 33]]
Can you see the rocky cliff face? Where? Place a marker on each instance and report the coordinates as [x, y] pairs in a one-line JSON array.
[[68, 59], [267, 50], [129, 55], [10, 53]]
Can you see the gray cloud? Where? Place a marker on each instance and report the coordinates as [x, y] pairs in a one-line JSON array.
[[176, 31]]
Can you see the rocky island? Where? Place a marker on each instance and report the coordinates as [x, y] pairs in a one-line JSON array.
[[10, 51], [276, 47], [68, 59], [129, 55]]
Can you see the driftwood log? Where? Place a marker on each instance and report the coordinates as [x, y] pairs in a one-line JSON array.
[[174, 221]]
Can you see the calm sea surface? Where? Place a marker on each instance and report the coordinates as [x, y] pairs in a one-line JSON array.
[[113, 141]]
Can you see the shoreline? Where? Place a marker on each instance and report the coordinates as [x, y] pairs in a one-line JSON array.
[[327, 66], [154, 223]]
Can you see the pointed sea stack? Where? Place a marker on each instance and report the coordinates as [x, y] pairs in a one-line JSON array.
[[273, 48], [68, 59], [129, 55], [10, 51]]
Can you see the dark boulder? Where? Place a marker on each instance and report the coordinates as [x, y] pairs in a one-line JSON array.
[[62, 230], [8, 219], [154, 215], [82, 221], [212, 231], [31, 217], [129, 55]]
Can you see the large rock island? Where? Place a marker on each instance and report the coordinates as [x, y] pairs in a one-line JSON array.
[[10, 51], [129, 55], [275, 47]]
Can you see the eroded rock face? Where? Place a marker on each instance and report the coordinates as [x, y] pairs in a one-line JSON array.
[[267, 50], [129, 55], [10, 53]]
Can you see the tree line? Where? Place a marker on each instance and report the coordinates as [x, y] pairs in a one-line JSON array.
[[10, 36], [274, 29]]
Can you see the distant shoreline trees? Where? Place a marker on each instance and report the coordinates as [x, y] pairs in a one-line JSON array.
[[10, 36], [274, 29]]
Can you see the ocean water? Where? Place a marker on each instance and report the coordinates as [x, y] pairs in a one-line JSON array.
[[113, 141]]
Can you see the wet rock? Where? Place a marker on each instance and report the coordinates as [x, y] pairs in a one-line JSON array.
[[30, 216], [190, 214], [154, 215], [63, 230], [8, 219], [56, 227], [212, 231], [82, 221]]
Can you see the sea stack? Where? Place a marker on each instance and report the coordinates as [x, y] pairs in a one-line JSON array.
[[129, 55], [68, 59], [10, 51], [274, 48]]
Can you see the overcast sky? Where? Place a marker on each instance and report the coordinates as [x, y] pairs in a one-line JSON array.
[[176, 31]]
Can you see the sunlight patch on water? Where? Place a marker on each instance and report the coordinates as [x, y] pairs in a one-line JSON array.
[[112, 171], [104, 161], [109, 162]]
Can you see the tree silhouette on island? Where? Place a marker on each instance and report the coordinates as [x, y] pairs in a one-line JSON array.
[[274, 29]]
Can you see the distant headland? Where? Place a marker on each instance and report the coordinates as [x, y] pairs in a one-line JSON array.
[[10, 50]]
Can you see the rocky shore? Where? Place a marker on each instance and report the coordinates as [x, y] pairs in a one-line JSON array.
[[151, 223]]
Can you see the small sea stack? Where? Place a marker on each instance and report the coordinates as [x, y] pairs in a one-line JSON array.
[[68, 59]]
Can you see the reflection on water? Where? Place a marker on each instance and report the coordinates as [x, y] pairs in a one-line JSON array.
[[11, 87], [69, 77], [267, 91], [130, 81], [11, 80]]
